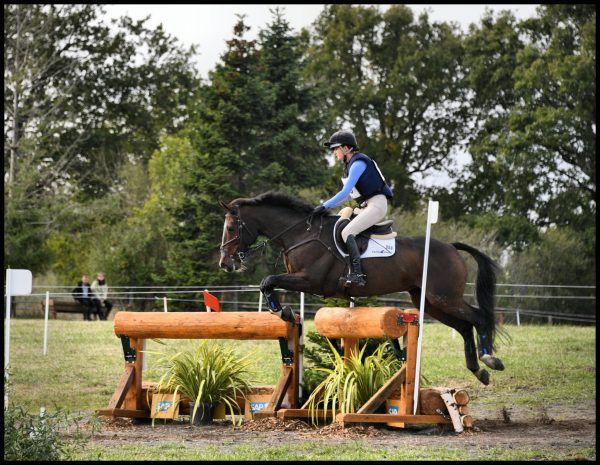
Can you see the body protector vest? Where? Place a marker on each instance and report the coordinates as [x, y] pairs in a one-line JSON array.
[[370, 183]]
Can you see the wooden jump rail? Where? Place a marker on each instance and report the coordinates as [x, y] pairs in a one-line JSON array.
[[134, 327], [351, 324]]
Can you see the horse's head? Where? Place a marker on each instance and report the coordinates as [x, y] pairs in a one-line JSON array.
[[237, 238]]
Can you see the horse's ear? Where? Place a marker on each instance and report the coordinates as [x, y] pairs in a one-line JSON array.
[[225, 206]]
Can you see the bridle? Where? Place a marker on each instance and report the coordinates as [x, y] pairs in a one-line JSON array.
[[242, 255]]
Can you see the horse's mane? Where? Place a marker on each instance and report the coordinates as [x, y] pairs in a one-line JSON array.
[[276, 199]]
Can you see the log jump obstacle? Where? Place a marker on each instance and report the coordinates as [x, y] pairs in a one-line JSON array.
[[351, 324], [134, 327]]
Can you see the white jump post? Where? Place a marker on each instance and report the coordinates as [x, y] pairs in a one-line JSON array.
[[46, 323], [301, 346], [165, 303], [432, 217]]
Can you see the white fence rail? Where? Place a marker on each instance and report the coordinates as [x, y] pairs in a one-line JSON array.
[[249, 298]]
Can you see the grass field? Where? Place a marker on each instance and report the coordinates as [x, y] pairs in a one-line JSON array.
[[545, 365]]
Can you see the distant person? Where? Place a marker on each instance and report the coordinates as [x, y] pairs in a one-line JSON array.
[[100, 289], [84, 295]]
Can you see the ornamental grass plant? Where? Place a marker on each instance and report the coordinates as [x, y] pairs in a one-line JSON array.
[[210, 374], [349, 384]]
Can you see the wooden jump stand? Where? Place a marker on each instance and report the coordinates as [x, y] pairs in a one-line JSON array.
[[351, 324], [133, 328]]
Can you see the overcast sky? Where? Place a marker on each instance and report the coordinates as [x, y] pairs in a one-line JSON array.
[[210, 26]]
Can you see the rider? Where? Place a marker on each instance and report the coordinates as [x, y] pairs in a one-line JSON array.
[[364, 182]]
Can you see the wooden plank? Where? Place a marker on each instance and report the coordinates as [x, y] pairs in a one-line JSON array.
[[386, 418], [280, 389], [384, 392], [302, 413], [121, 412], [264, 413], [122, 387]]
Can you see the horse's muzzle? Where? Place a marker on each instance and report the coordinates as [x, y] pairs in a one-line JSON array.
[[229, 263]]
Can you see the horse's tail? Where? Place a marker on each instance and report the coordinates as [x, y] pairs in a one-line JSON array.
[[485, 287]]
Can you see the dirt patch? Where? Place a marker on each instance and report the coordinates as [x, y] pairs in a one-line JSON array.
[[559, 428]]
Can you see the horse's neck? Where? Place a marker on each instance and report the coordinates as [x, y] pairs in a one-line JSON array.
[[283, 227]]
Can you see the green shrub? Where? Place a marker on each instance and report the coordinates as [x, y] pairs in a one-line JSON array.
[[210, 374], [350, 383], [38, 437], [319, 354]]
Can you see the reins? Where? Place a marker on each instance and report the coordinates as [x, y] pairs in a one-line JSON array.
[[243, 255]]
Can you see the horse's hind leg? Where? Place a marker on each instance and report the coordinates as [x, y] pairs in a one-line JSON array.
[[464, 328]]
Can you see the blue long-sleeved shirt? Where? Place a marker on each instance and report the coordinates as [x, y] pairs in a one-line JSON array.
[[356, 170]]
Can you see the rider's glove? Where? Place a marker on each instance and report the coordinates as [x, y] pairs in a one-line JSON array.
[[319, 209]]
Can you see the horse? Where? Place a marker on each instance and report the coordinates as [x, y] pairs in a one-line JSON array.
[[314, 266]]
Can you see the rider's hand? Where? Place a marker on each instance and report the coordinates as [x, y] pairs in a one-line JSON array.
[[319, 209]]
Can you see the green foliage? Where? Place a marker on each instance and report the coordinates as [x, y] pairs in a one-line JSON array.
[[561, 256], [320, 351], [212, 373], [40, 437], [349, 384], [81, 98], [534, 156]]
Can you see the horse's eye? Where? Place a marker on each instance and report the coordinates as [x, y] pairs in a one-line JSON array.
[[230, 229]]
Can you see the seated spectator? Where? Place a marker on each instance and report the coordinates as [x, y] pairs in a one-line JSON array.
[[84, 295], [100, 289]]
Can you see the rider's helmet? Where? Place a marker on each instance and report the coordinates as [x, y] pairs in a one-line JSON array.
[[341, 138]]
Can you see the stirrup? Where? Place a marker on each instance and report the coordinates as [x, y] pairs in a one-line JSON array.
[[354, 278]]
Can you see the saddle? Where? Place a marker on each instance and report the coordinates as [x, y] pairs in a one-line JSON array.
[[381, 231]]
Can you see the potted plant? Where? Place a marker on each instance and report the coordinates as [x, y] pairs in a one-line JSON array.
[[210, 374], [349, 384]]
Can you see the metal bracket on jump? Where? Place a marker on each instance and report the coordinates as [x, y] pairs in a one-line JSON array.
[[128, 351], [287, 356]]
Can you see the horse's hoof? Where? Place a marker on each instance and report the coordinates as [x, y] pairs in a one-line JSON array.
[[483, 376], [287, 314], [492, 362]]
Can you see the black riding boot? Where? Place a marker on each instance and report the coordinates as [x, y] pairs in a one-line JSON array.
[[355, 276]]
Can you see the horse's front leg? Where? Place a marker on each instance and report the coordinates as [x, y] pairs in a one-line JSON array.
[[290, 282]]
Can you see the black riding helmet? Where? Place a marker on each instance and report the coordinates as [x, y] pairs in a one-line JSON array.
[[341, 138]]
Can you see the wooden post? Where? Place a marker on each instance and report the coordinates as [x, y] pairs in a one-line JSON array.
[[133, 398]]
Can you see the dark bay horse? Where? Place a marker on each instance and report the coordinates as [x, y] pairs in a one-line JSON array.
[[315, 267]]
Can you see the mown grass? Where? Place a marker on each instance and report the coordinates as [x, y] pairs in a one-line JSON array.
[[545, 366], [347, 451]]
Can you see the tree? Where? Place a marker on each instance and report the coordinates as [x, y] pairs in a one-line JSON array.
[[398, 83], [80, 99], [250, 134], [288, 152], [534, 151]]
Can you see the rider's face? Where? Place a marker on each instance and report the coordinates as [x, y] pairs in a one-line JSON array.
[[339, 152]]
